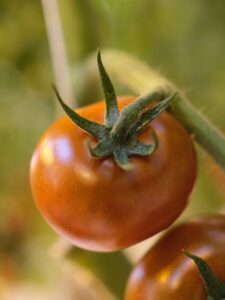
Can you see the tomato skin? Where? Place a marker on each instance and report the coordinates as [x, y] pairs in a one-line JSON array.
[[96, 205], [166, 273]]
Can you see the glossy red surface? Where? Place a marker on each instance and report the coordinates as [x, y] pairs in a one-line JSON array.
[[95, 204], [165, 273]]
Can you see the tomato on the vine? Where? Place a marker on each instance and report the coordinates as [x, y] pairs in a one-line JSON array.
[[94, 203], [104, 203], [165, 273]]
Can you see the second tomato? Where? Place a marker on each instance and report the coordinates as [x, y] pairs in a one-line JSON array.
[[166, 273]]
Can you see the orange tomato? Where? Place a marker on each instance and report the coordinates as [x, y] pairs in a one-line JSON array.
[[95, 204], [166, 273]]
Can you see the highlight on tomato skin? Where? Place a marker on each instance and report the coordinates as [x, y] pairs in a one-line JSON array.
[[96, 205], [165, 273]]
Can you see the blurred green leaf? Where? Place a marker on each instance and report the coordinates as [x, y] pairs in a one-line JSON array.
[[112, 268]]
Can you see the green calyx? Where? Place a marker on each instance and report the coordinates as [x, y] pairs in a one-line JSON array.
[[118, 136], [215, 288]]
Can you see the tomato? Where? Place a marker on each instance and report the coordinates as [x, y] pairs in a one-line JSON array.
[[165, 273], [95, 204]]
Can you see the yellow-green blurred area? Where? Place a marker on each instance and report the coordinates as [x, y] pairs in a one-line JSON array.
[[184, 40]]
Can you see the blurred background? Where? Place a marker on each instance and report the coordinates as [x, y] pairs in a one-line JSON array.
[[184, 40]]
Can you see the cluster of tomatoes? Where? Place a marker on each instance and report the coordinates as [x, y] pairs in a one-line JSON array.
[[100, 207]]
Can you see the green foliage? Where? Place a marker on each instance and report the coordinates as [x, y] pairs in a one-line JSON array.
[[112, 268]]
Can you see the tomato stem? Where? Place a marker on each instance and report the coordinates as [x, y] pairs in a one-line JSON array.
[[95, 129], [203, 131], [131, 116], [142, 79], [112, 110], [215, 288], [118, 135], [152, 113]]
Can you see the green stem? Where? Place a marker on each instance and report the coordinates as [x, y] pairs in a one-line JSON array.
[[131, 114], [141, 79], [204, 132], [95, 129], [118, 135], [112, 111]]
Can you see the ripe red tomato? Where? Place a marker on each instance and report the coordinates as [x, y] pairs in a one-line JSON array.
[[165, 273], [95, 204]]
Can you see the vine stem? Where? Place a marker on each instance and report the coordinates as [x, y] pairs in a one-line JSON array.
[[57, 49], [140, 78]]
